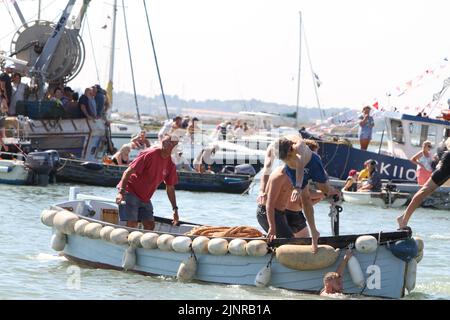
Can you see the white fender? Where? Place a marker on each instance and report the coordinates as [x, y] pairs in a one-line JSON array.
[[58, 241], [149, 240], [134, 239], [354, 268], [105, 233], [187, 270], [237, 247], [256, 248], [420, 246], [79, 226], [419, 257], [366, 244], [411, 270], [182, 244], [164, 242], [92, 230], [119, 236], [129, 258], [200, 245], [263, 277], [218, 246], [64, 221], [47, 217]]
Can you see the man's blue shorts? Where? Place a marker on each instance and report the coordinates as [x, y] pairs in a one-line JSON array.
[[135, 209]]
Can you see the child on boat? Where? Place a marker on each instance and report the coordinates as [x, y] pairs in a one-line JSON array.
[[351, 184], [374, 182]]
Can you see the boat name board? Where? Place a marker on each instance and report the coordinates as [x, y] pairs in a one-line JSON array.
[[397, 171]]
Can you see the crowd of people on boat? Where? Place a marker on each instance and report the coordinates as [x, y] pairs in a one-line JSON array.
[[15, 94]]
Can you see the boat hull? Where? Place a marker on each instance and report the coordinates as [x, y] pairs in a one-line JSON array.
[[381, 199], [14, 172], [238, 270], [340, 158], [109, 176], [81, 138]]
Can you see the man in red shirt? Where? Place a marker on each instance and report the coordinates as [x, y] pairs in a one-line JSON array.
[[142, 178]]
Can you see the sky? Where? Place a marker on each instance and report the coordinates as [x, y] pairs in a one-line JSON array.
[[362, 51]]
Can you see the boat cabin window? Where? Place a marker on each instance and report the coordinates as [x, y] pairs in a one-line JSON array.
[[397, 131], [420, 132]]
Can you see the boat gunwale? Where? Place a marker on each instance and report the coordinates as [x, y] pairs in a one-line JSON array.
[[337, 242]]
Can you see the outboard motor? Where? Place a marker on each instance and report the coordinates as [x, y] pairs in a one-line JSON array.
[[228, 170], [54, 155], [245, 169], [42, 165]]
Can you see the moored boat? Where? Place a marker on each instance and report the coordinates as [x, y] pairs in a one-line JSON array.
[[439, 199], [383, 199], [87, 230], [106, 175], [35, 168]]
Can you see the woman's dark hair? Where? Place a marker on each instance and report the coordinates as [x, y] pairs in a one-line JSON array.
[[75, 96], [373, 165]]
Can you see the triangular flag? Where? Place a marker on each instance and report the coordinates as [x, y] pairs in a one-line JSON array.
[[375, 105]]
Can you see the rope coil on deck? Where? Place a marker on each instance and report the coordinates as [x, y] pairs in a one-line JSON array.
[[229, 232]]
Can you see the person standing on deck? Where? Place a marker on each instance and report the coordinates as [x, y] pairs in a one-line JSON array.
[[301, 165], [423, 159], [271, 213], [139, 182], [366, 125]]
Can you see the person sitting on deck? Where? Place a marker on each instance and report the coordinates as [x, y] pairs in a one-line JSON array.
[[140, 141], [332, 281], [182, 163], [374, 182], [204, 158], [364, 173], [351, 184], [122, 157]]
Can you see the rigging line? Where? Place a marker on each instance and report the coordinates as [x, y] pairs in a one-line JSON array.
[[131, 64], [312, 73], [10, 14], [92, 47], [299, 70], [438, 100], [156, 60]]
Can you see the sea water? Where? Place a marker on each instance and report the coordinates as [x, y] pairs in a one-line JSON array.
[[32, 270]]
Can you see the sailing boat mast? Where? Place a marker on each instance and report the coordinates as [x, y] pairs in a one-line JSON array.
[[109, 89], [39, 10], [299, 70]]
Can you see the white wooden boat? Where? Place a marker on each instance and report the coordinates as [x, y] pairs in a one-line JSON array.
[[32, 169], [383, 199], [439, 199], [93, 243], [13, 172]]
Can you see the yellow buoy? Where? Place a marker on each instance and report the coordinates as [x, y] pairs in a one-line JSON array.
[[300, 257]]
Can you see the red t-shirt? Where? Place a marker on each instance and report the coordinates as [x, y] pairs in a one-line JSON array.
[[150, 171]]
